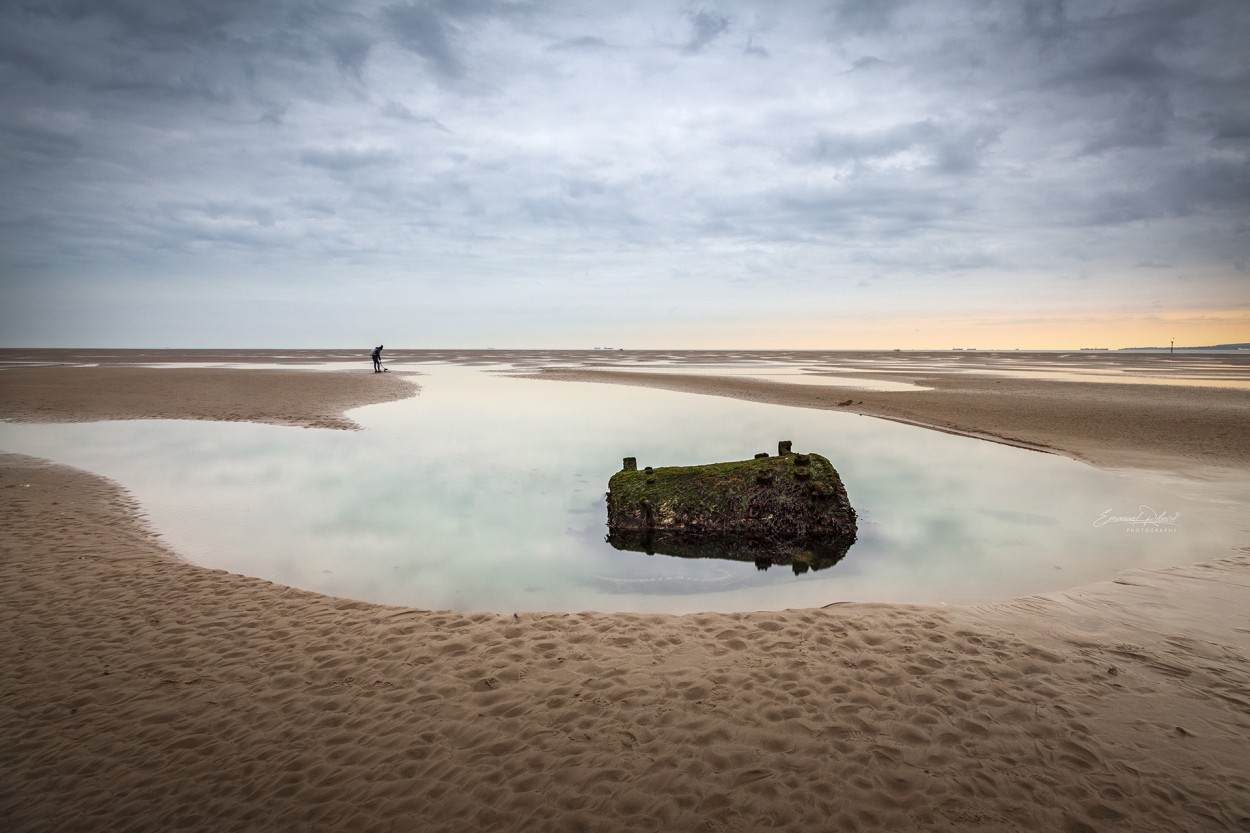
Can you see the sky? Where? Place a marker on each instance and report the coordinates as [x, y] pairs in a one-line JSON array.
[[860, 174]]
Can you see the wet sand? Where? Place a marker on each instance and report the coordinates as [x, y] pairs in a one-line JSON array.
[[277, 397], [144, 693], [1153, 426]]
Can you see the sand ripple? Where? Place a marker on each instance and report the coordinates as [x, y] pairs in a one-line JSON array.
[[143, 693]]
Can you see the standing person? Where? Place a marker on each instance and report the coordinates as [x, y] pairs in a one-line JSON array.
[[377, 359]]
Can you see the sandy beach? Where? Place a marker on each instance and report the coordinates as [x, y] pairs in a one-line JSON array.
[[1144, 425], [141, 692]]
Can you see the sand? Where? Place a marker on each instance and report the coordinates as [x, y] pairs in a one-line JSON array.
[[277, 397], [1110, 425], [144, 693]]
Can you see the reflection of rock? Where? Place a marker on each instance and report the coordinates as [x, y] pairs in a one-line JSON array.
[[802, 554], [789, 509]]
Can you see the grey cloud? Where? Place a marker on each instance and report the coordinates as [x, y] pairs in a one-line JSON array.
[[1197, 188], [893, 210], [232, 213], [214, 53], [154, 23], [850, 147], [580, 187], [1117, 50], [48, 67], [1210, 184], [347, 158], [903, 257], [867, 62], [486, 8], [961, 151], [553, 210], [1230, 127], [422, 31], [752, 49], [433, 30], [585, 43], [954, 150], [38, 139], [706, 27], [1045, 20], [1116, 206], [846, 214], [350, 52], [1011, 144], [395, 110], [864, 16], [135, 76], [1135, 122], [1129, 66]]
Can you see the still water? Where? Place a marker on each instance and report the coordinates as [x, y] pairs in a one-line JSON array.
[[486, 492]]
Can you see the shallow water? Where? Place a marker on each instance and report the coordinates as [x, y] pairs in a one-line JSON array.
[[790, 375], [485, 492]]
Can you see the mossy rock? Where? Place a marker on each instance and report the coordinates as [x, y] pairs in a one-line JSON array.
[[767, 509]]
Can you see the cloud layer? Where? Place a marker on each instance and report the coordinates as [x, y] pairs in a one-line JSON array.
[[482, 172]]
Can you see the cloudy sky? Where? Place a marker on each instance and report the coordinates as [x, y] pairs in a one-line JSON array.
[[487, 173]]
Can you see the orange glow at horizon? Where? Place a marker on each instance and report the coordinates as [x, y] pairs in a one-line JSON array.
[[1189, 328]]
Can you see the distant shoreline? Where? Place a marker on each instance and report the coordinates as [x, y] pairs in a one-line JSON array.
[[1049, 402], [349, 354]]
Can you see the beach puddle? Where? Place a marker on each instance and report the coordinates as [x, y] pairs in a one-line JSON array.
[[486, 492], [786, 374]]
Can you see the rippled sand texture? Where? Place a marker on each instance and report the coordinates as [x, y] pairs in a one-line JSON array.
[[143, 693], [138, 692]]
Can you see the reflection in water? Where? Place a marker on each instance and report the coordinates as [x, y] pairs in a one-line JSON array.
[[487, 493], [787, 375], [801, 554]]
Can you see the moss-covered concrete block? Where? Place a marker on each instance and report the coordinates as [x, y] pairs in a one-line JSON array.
[[788, 509]]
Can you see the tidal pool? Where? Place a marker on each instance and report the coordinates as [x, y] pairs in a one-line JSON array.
[[486, 492]]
